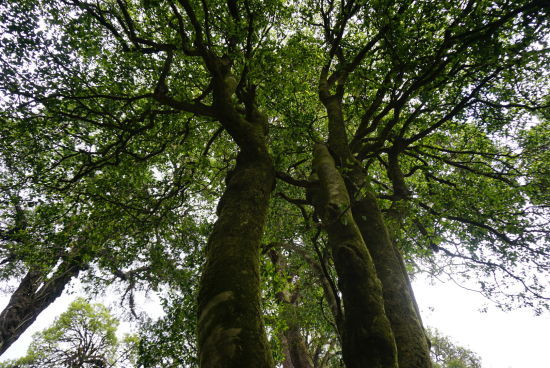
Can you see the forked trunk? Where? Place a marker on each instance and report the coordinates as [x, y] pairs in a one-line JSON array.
[[368, 340], [230, 328]]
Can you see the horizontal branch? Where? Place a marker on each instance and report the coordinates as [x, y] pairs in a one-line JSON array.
[[292, 181]]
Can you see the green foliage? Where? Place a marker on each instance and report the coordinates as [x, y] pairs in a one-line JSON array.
[[170, 341], [446, 354], [535, 144]]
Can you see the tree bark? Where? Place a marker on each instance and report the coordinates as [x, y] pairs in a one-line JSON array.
[[230, 327], [294, 343], [368, 340], [297, 348], [34, 294], [401, 308], [231, 333], [399, 302]]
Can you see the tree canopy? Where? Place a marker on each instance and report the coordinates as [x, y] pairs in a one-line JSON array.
[[275, 170]]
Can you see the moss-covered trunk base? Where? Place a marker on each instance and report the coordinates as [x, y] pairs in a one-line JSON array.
[[230, 328]]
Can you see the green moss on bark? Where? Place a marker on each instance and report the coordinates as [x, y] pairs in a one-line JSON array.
[[399, 303], [367, 335], [230, 329]]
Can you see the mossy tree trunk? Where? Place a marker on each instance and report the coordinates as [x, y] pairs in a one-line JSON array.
[[367, 339], [230, 328], [231, 333], [297, 349], [399, 302], [401, 308]]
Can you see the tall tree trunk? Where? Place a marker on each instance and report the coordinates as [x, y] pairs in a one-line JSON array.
[[401, 308], [230, 327], [34, 294], [231, 333], [367, 337], [400, 305], [287, 363], [399, 302]]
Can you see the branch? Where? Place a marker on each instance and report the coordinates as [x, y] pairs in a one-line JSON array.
[[212, 139], [509, 105], [495, 265], [131, 32], [467, 221], [196, 26], [492, 175], [297, 182], [465, 101], [161, 94], [186, 43]]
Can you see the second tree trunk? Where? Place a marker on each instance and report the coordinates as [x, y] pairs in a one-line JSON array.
[[368, 339]]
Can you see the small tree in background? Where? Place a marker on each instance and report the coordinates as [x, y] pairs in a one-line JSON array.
[[446, 354], [84, 336]]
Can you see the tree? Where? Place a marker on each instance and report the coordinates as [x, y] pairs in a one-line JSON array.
[[446, 354], [83, 336], [137, 110]]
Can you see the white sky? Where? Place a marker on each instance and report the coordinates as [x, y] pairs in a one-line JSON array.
[[516, 339]]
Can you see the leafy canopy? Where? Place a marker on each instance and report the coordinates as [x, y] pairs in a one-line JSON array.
[[110, 148]]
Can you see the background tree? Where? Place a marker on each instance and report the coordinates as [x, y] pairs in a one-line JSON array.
[[83, 336], [446, 354]]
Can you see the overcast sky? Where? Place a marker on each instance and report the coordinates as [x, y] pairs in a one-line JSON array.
[[516, 339]]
